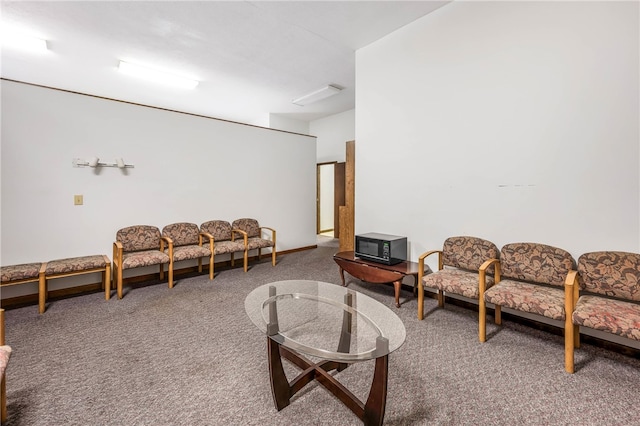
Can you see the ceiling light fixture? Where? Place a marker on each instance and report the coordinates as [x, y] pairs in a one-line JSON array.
[[317, 95], [23, 41], [156, 76]]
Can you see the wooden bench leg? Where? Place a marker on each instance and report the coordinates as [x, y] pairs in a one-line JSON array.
[[42, 293], [106, 283]]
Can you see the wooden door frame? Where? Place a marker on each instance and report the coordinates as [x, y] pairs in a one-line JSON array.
[[318, 165]]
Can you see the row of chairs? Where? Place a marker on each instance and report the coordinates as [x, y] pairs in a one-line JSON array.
[[600, 291], [145, 245]]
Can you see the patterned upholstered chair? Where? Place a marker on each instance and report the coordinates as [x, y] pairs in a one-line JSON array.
[[25, 273], [537, 279], [254, 232], [137, 246], [5, 354], [186, 242], [610, 294], [223, 240], [464, 268]]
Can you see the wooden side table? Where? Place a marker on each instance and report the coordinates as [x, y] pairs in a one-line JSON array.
[[376, 273]]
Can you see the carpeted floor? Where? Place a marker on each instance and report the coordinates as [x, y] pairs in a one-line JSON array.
[[190, 356]]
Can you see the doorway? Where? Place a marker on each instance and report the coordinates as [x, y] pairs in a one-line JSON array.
[[330, 195]]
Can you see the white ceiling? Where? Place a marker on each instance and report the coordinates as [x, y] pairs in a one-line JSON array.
[[251, 57]]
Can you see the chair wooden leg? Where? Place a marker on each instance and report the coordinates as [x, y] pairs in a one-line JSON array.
[[273, 257], [420, 301], [576, 336], [170, 274], [568, 344], [246, 259], [482, 320], [211, 266], [233, 262], [119, 281], [498, 315], [259, 254], [200, 265], [440, 299]]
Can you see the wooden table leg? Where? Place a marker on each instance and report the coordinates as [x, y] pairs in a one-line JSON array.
[[342, 275], [280, 388], [397, 285], [377, 401], [371, 413]]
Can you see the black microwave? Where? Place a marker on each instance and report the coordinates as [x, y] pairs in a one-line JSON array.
[[381, 248]]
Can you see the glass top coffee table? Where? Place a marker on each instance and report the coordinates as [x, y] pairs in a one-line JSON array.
[[338, 326]]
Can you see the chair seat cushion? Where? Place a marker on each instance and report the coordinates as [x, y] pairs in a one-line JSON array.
[[189, 252], [5, 354], [143, 258], [74, 264], [223, 247], [456, 281], [256, 243], [24, 271], [613, 316], [526, 297]]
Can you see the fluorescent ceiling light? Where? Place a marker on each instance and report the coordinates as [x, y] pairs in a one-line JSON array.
[[319, 94], [156, 76], [23, 42]]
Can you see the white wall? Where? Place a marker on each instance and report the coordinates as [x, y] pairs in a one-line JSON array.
[[511, 121], [187, 168], [279, 122], [333, 132]]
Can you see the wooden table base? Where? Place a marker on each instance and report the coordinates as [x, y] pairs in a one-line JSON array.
[[371, 413], [377, 273]]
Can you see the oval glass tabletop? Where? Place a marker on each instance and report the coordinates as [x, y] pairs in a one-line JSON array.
[[325, 320]]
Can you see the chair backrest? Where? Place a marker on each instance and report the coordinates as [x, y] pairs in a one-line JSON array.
[[538, 263], [469, 253], [250, 226], [182, 233], [610, 273], [220, 229], [139, 237]]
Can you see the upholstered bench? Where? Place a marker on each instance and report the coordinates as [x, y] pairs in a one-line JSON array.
[[75, 266], [23, 273]]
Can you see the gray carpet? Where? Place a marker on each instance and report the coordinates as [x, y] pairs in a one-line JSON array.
[[190, 356]]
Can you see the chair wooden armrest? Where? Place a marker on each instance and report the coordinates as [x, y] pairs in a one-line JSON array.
[[482, 274], [206, 235], [117, 252], [169, 243], [572, 334], [421, 260], [273, 231], [241, 232]]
